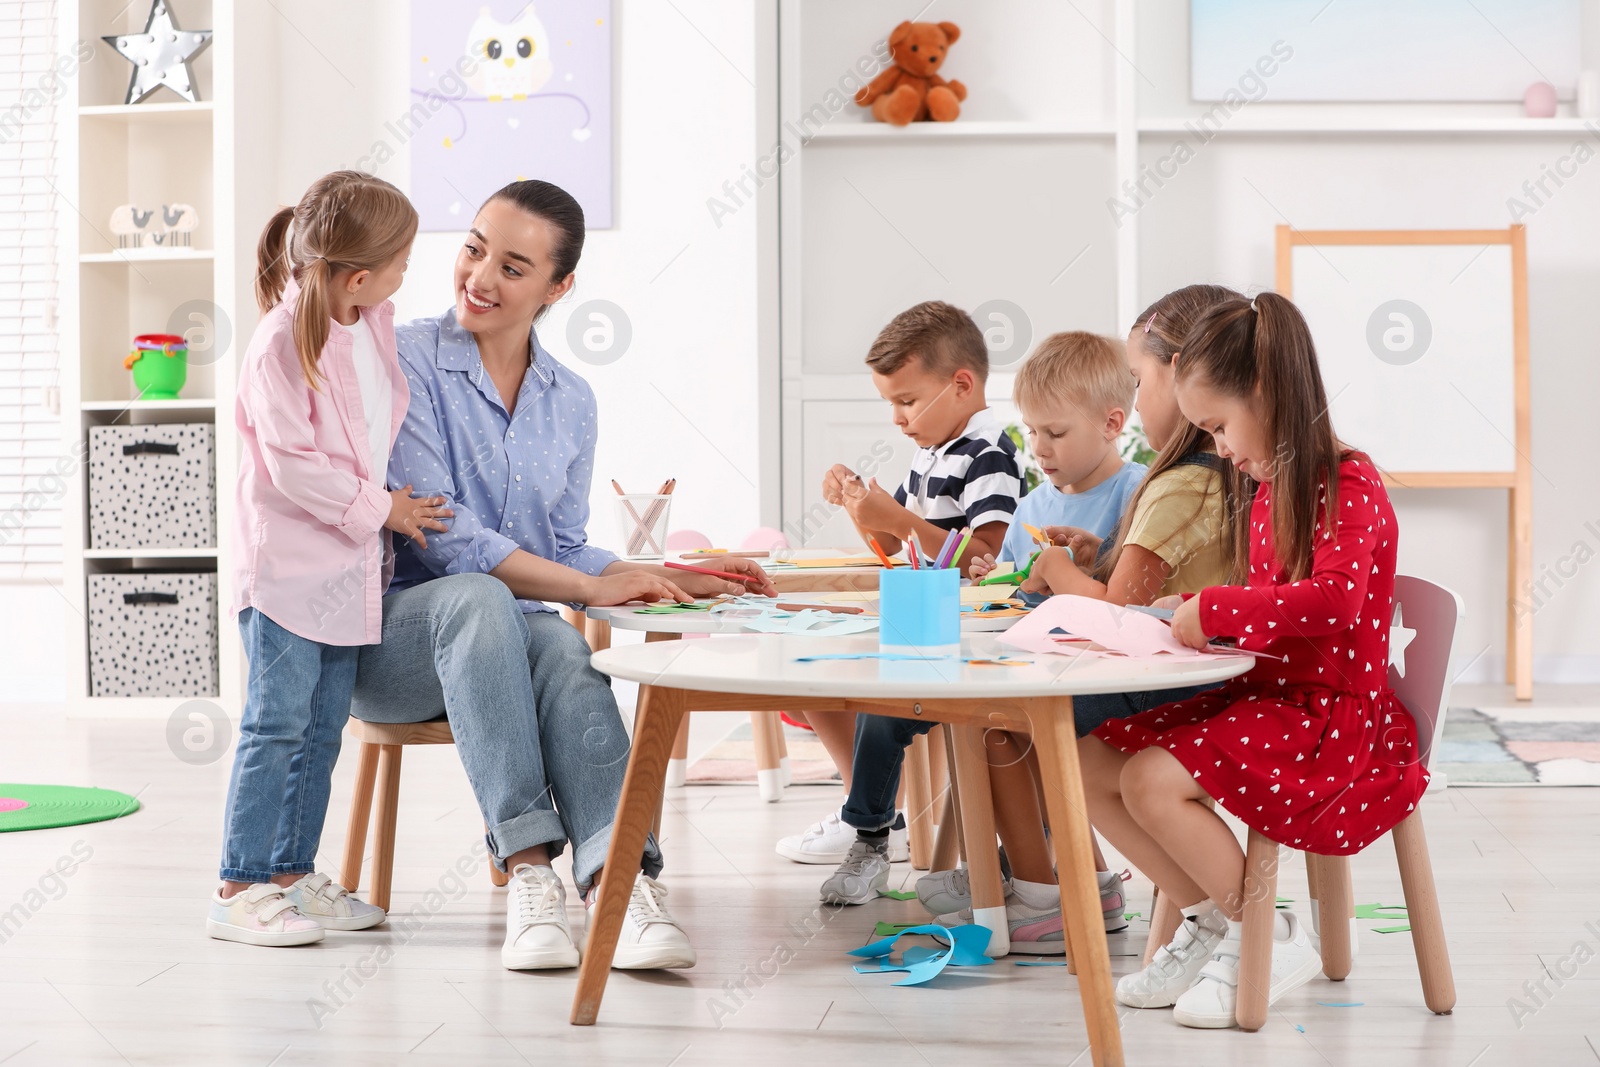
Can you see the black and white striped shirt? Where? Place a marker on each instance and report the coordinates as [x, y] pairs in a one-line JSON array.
[[969, 480]]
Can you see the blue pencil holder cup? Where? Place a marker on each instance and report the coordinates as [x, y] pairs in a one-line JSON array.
[[919, 609]]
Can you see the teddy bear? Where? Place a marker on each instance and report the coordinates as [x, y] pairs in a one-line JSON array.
[[911, 89]]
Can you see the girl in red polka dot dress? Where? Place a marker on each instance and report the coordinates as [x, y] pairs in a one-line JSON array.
[[1310, 747]]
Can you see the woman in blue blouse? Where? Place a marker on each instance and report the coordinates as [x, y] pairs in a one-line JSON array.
[[466, 632]]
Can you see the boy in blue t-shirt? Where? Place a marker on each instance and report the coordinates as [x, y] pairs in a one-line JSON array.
[[1074, 394]]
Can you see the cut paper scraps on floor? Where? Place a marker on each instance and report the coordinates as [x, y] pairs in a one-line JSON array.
[[966, 945]]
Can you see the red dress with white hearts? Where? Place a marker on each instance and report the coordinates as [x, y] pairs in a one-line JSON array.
[[1315, 751]]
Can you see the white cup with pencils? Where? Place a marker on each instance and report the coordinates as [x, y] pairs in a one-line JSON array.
[[642, 519]]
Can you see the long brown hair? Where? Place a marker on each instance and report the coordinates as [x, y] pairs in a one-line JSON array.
[[346, 221], [1262, 348], [1160, 329]]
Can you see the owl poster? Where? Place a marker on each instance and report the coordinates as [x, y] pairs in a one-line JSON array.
[[507, 90]]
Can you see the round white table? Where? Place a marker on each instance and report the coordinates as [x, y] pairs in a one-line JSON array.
[[771, 671], [772, 762]]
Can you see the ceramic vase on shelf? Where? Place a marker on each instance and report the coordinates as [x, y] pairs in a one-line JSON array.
[[160, 365]]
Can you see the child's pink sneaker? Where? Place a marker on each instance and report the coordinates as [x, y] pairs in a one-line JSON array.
[[261, 915]]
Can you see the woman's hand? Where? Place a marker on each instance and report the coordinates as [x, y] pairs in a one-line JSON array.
[[1186, 624], [710, 585], [410, 516], [1083, 544], [622, 586], [980, 567]]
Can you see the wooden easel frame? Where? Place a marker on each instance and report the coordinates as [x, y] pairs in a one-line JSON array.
[[1519, 483]]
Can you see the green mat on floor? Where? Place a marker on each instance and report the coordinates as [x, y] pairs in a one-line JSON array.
[[41, 807]]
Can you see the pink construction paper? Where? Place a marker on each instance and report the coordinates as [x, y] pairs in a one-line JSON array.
[[1113, 628]]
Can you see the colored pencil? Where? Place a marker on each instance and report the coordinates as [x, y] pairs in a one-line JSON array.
[[750, 578], [942, 560], [914, 551], [966, 535], [877, 550]]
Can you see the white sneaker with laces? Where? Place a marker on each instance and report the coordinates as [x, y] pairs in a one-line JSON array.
[[1210, 1003], [331, 905], [651, 939], [950, 892], [1174, 967], [261, 915], [537, 934], [864, 871], [829, 841]]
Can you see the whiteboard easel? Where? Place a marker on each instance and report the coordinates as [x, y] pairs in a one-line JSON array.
[[1423, 340]]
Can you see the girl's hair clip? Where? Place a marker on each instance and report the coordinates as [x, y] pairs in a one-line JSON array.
[[1148, 321]]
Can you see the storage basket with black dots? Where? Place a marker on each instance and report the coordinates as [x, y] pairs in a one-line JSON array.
[[153, 635], [153, 486]]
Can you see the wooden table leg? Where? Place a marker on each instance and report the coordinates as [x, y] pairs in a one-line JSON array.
[[678, 765], [355, 838], [954, 787], [598, 633], [653, 729], [764, 727], [919, 803], [1055, 740], [977, 824]]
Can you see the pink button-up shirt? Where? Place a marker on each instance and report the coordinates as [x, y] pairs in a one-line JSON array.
[[312, 553]]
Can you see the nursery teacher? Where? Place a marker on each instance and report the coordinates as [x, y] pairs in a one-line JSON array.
[[507, 434]]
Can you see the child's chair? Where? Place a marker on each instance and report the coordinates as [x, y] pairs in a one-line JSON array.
[[381, 747], [1419, 675]]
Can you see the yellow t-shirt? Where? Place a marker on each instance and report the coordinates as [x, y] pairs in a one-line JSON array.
[[1180, 518]]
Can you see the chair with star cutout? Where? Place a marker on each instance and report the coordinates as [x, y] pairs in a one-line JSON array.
[[1424, 626]]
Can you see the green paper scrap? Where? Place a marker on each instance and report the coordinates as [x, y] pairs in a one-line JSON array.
[[671, 609], [1041, 963], [1390, 929], [897, 894], [1284, 902], [1130, 915], [884, 929], [1381, 911]]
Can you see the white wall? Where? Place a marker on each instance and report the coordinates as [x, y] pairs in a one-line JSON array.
[[685, 118]]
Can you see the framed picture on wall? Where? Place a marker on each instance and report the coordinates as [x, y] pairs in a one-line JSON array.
[[502, 91], [1379, 50]]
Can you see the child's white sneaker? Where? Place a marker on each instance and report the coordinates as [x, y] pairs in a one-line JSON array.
[[857, 881], [950, 892], [829, 841], [261, 915], [1175, 966], [537, 935], [1211, 1002], [651, 939], [331, 905]]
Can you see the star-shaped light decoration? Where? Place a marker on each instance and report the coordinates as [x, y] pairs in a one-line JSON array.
[[160, 55], [1399, 638]]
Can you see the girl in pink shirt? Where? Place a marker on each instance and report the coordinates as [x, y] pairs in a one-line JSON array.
[[320, 400]]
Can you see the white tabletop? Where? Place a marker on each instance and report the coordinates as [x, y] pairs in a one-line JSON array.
[[629, 617], [768, 665]]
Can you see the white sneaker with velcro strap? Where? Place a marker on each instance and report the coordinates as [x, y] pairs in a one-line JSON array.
[[261, 915], [331, 905]]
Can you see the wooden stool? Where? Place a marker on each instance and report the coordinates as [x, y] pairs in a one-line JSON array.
[[381, 747], [1433, 612]]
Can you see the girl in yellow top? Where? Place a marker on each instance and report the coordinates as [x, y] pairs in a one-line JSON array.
[[1176, 536]]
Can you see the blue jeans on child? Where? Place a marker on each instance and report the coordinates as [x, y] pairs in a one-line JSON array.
[[296, 702], [536, 727], [881, 742]]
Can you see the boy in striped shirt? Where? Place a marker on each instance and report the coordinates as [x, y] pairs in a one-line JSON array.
[[930, 363]]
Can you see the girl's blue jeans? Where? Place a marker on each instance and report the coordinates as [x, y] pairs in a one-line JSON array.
[[296, 702]]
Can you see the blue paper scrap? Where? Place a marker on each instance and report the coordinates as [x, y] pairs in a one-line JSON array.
[[967, 944]]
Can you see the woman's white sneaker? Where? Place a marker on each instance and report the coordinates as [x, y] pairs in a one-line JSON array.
[[1175, 966], [261, 915], [1211, 1002], [537, 934], [651, 939], [331, 906]]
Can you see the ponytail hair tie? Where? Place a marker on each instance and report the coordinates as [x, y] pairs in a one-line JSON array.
[[1253, 306]]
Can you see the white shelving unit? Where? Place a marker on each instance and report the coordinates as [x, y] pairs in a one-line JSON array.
[[165, 150], [1069, 107]]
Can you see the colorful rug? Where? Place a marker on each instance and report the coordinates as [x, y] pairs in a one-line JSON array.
[[1520, 746], [43, 807], [734, 759]]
